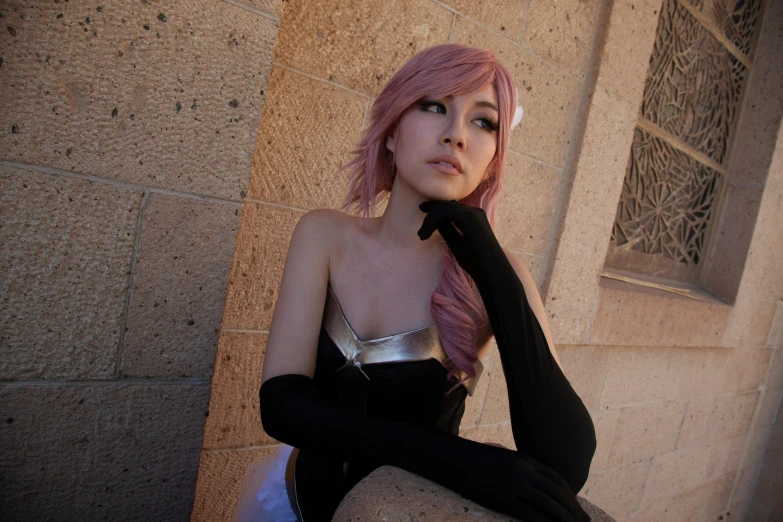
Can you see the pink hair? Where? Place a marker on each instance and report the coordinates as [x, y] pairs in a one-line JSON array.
[[449, 69]]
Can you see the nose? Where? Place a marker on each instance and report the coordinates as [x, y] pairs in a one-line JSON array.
[[454, 134]]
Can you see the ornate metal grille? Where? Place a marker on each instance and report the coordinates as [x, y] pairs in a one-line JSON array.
[[698, 69], [666, 202]]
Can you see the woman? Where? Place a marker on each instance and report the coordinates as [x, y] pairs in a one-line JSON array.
[[341, 385]]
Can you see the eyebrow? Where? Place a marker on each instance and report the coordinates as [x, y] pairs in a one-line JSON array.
[[480, 103]]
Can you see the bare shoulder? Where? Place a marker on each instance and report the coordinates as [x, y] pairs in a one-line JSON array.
[[527, 279], [323, 225]]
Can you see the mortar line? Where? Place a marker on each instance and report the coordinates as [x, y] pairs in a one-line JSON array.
[[134, 257], [186, 381], [508, 39], [253, 9], [522, 252], [322, 80], [273, 204], [536, 160], [116, 183], [524, 21], [366, 112], [486, 394], [753, 420], [242, 448], [243, 331]]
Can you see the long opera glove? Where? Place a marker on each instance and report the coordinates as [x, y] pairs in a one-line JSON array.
[[548, 419]]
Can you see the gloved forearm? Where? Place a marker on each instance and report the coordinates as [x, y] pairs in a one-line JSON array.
[[548, 418], [500, 479]]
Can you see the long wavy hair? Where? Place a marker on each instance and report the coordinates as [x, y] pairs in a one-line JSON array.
[[449, 69]]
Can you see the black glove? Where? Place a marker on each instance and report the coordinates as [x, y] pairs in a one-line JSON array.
[[504, 480], [548, 419]]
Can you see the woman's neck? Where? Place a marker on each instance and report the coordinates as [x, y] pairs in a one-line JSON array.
[[398, 226]]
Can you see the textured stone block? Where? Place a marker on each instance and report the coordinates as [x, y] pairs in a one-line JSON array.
[[640, 375], [676, 471], [746, 482], [646, 431], [307, 132], [162, 95], [757, 445], [653, 510], [254, 281], [716, 496], [775, 379], [496, 404], [687, 505], [598, 179], [646, 317], [358, 44], [66, 248], [755, 368], [749, 323], [768, 406], [605, 423], [585, 368], [720, 454], [724, 270], [563, 32], [392, 494], [492, 433], [537, 266], [694, 427], [527, 205], [549, 97], [617, 490], [273, 7], [625, 57], [768, 488], [179, 287], [220, 477], [475, 404], [100, 452], [762, 108], [773, 455], [503, 16], [234, 415], [731, 415], [707, 372]]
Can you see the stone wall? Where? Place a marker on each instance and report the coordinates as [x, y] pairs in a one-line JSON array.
[[155, 158], [683, 392], [127, 137]]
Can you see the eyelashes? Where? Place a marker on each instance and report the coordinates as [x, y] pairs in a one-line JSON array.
[[492, 125]]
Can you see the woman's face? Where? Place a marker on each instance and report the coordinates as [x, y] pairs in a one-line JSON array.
[[463, 127]]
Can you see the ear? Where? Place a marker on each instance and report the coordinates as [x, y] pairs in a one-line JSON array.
[[391, 140]]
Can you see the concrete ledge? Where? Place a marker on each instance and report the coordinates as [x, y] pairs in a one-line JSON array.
[[390, 493]]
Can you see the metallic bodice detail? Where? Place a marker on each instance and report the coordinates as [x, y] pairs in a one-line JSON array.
[[416, 345]]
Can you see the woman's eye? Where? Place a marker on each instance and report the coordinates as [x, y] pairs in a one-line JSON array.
[[489, 125]]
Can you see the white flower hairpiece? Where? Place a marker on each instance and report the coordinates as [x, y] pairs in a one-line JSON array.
[[517, 114]]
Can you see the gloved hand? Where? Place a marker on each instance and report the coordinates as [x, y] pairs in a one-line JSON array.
[[501, 479], [548, 419]]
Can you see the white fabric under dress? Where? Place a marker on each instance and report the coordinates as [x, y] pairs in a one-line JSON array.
[[264, 497]]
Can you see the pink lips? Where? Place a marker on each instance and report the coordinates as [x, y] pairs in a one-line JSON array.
[[447, 158], [448, 169]]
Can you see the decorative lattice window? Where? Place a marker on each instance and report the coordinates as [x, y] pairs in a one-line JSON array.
[[677, 166]]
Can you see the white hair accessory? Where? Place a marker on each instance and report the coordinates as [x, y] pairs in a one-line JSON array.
[[517, 114]]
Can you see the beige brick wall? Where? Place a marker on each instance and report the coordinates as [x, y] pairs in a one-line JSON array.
[[683, 393], [155, 159], [127, 137]]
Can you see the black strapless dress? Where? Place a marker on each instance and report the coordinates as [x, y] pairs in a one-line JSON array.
[[399, 377]]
